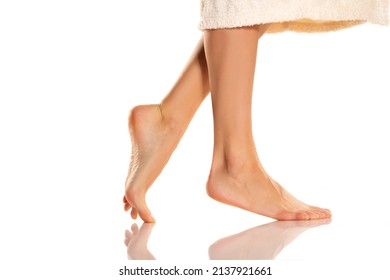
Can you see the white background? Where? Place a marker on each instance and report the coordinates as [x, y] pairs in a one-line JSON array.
[[71, 70]]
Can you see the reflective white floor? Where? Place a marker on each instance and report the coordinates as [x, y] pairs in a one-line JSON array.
[[321, 114], [313, 240]]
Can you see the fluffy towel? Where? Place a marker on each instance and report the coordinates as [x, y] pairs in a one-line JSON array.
[[294, 15]]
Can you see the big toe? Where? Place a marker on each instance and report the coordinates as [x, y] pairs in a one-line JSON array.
[[143, 212], [146, 216], [324, 213]]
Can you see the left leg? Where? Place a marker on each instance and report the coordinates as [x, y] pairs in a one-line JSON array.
[[156, 130]]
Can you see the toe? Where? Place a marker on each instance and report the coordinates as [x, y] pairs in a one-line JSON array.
[[134, 213], [322, 210], [139, 208], [126, 207], [145, 215], [143, 211], [301, 216], [313, 215], [323, 213], [328, 213], [293, 216]]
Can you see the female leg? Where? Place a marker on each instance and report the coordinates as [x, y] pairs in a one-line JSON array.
[[237, 177], [155, 131]]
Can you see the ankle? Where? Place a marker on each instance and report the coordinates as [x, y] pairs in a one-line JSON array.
[[171, 122], [235, 164]]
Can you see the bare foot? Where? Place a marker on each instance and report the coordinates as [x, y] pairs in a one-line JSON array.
[[153, 141], [136, 242], [154, 138], [264, 242], [253, 190]]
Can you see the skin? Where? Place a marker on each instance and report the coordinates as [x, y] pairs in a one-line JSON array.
[[223, 63]]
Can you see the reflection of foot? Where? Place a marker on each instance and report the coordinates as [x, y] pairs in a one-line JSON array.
[[250, 188], [153, 138], [262, 242], [137, 241]]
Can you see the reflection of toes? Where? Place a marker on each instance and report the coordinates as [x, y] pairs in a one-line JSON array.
[[137, 242], [303, 223], [146, 229], [128, 237], [134, 229]]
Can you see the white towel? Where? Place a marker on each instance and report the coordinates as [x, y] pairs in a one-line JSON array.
[[294, 15]]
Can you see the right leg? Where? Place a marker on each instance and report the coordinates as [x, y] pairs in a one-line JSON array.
[[237, 177], [155, 131]]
